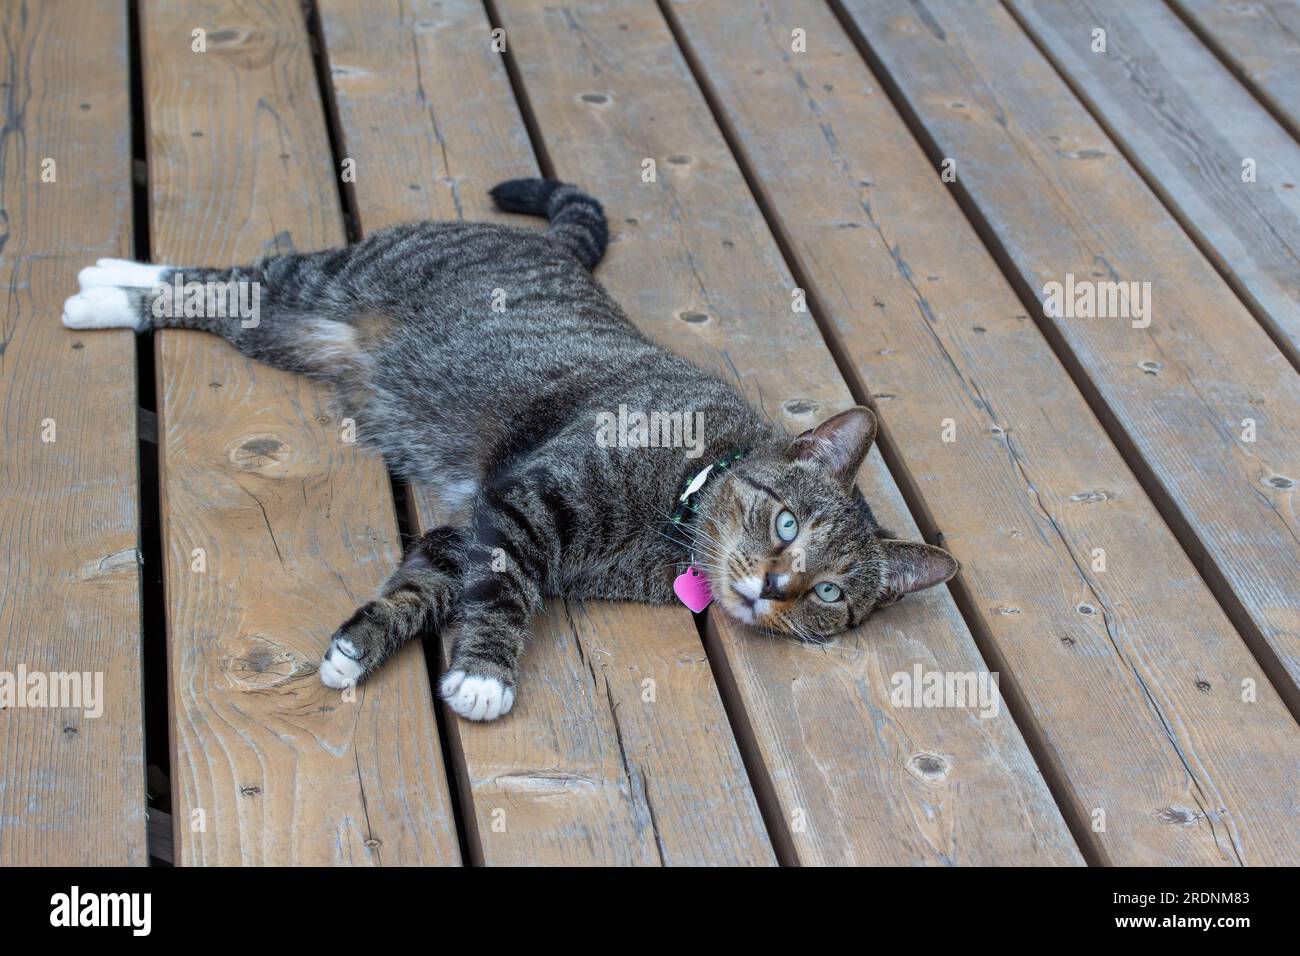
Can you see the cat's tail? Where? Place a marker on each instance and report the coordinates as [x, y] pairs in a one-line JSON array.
[[577, 220]]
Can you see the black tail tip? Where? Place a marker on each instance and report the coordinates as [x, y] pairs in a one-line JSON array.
[[528, 196], [577, 220]]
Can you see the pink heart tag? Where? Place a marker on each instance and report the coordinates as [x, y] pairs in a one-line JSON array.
[[692, 588]]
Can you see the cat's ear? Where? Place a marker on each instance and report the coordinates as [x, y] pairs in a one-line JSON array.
[[839, 443], [912, 566]]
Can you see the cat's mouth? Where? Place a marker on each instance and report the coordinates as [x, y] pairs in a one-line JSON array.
[[745, 601], [744, 608]]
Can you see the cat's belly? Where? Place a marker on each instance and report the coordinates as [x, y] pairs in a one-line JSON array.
[[455, 496]]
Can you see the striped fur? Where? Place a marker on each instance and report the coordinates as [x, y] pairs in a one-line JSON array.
[[421, 597], [477, 358]]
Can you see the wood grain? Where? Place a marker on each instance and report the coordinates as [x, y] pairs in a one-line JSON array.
[[849, 778], [1188, 126], [296, 524], [72, 787], [1179, 397], [1260, 41], [1131, 671], [594, 765]]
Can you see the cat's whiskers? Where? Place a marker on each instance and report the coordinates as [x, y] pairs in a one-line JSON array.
[[802, 632], [695, 530], [695, 551]]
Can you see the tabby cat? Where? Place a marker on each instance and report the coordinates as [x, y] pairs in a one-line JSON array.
[[482, 360]]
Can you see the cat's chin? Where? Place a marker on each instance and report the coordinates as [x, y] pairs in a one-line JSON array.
[[755, 615], [748, 614]]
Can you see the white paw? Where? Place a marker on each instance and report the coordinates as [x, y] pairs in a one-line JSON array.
[[121, 272], [339, 669], [476, 698], [102, 307]]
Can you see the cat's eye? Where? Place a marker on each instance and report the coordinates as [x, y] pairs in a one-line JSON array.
[[787, 526], [830, 593]]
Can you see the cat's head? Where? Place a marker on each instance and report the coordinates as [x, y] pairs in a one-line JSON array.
[[791, 546]]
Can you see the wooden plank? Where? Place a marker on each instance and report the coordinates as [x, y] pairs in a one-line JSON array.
[[934, 332], [1260, 41], [72, 787], [1203, 405], [585, 770], [851, 778], [297, 525], [1194, 133]]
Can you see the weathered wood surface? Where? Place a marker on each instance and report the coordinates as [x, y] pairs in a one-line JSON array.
[[1225, 168], [586, 769], [849, 778], [1184, 770], [1201, 402], [72, 787], [295, 524], [1260, 42]]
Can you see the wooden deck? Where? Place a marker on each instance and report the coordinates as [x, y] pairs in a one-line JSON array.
[[1121, 492]]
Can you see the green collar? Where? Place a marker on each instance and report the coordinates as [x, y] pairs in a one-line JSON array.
[[688, 500]]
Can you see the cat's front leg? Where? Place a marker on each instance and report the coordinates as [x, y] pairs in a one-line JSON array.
[[513, 545], [420, 597]]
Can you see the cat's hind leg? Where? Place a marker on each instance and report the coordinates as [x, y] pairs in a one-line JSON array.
[[421, 597], [114, 295], [267, 311]]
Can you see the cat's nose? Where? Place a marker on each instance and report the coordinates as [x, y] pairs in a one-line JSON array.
[[774, 585]]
